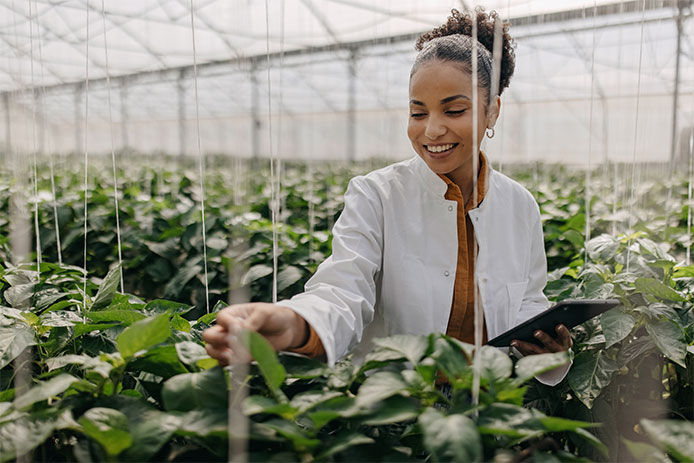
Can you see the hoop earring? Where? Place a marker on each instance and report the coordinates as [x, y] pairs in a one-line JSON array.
[[487, 132]]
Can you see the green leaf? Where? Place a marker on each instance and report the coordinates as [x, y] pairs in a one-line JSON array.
[[451, 359], [202, 423], [645, 453], [19, 296], [380, 386], [602, 248], [263, 353], [453, 437], [395, 409], [24, 433], [13, 340], [591, 373], [676, 436], [653, 287], [143, 334], [126, 317], [410, 347], [161, 360], [532, 365], [44, 390], [175, 286], [495, 366], [508, 420], [669, 338], [207, 389], [343, 441], [616, 325], [107, 289], [190, 352], [108, 427], [287, 277], [558, 424], [683, 272], [300, 441], [255, 273], [255, 404], [159, 306]]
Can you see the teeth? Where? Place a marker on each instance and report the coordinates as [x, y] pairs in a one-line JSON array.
[[439, 148]]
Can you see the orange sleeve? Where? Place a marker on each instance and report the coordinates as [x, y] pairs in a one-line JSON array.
[[313, 346]]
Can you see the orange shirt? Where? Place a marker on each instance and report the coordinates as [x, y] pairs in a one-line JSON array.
[[461, 320]]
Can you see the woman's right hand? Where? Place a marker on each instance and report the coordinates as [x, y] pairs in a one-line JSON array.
[[281, 326]]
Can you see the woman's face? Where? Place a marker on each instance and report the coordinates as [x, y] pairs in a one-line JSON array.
[[440, 125]]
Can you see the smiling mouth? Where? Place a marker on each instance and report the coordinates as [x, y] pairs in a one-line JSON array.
[[438, 149]]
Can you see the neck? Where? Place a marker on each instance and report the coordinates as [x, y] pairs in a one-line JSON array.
[[464, 178]]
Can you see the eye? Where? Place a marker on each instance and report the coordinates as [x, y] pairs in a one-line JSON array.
[[417, 115], [456, 112]]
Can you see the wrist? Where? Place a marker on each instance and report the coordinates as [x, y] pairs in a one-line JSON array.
[[300, 331]]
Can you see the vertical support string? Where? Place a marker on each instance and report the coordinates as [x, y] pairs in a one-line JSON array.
[[113, 152], [200, 158], [35, 170], [273, 193], [588, 192], [636, 132], [86, 164], [51, 153], [689, 199], [475, 166]]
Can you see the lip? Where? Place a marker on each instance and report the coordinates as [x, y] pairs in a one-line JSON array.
[[442, 154]]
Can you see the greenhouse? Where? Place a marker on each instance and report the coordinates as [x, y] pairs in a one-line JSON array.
[[304, 230]]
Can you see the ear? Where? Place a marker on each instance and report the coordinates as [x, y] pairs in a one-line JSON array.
[[493, 111]]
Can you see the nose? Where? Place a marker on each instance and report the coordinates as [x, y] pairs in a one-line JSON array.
[[435, 127]]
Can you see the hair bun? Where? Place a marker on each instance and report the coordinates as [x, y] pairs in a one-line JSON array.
[[461, 23]]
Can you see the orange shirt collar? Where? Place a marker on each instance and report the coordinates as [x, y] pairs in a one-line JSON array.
[[482, 177]]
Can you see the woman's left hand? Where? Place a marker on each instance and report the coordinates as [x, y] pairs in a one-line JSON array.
[[562, 342]]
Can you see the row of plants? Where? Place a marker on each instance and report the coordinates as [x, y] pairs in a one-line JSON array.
[[129, 356]]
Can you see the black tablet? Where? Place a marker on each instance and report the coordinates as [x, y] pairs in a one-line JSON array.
[[568, 313]]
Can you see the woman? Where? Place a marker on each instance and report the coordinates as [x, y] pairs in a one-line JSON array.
[[404, 246]]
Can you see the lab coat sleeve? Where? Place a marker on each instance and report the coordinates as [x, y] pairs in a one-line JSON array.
[[338, 300], [534, 300]]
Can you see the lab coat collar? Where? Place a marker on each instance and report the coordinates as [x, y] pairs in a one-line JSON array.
[[437, 186]]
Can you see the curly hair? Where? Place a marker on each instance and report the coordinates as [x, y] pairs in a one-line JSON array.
[[453, 41]]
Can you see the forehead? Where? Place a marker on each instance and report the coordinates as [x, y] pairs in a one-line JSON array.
[[439, 79]]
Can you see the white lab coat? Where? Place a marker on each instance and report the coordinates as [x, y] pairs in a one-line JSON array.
[[395, 250]]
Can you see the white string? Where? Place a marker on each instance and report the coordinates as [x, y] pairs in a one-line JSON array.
[[689, 199], [113, 152], [86, 163], [35, 173], [273, 193], [51, 153], [636, 132], [588, 192], [200, 158], [475, 162]]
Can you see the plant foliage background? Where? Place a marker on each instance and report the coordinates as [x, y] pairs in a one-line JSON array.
[[124, 376]]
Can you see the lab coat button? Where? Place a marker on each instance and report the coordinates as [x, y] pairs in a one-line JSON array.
[[450, 208], [446, 273]]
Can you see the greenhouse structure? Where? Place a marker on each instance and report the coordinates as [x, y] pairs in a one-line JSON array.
[[273, 162]]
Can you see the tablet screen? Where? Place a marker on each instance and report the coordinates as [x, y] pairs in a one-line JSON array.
[[568, 313]]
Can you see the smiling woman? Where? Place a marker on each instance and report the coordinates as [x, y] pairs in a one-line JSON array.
[[422, 242]]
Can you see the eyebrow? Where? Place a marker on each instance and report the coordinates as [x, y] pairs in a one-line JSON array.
[[448, 99]]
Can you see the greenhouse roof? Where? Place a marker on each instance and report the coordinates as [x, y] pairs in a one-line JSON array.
[[44, 42]]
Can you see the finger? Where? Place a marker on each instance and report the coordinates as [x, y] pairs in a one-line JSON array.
[[564, 336], [215, 335], [222, 354], [550, 343], [232, 318], [527, 348]]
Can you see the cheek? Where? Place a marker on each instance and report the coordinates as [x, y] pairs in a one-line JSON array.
[[412, 130]]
